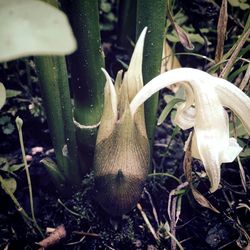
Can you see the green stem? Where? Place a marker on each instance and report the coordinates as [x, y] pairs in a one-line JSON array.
[[53, 76], [87, 78], [19, 124], [126, 24], [151, 14]]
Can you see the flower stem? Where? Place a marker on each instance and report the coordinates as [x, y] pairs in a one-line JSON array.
[[19, 124]]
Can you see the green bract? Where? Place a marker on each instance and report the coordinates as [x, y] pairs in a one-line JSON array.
[[31, 27]]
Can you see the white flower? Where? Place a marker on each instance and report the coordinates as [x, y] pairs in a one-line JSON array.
[[206, 97]]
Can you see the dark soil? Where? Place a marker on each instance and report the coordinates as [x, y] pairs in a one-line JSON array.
[[197, 228]]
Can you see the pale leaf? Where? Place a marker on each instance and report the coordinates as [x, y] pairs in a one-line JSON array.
[[31, 27]]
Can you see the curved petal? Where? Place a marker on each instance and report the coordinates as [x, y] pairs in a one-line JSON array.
[[231, 152], [185, 114], [211, 124], [235, 99], [164, 80], [211, 128]]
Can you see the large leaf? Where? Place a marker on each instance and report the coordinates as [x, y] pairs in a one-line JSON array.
[[2, 95], [31, 27]]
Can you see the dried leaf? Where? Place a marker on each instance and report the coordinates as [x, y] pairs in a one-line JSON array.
[[234, 55], [221, 31], [58, 234], [183, 36], [242, 174], [202, 200], [187, 162]]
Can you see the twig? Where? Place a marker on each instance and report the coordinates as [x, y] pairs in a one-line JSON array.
[[177, 242], [150, 227], [234, 55], [165, 175], [221, 31], [69, 210], [58, 234], [245, 79], [172, 223], [153, 207], [86, 234]]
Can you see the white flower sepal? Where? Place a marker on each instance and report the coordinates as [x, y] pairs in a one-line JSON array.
[[206, 97]]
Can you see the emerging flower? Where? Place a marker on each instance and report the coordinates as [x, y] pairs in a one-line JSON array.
[[209, 95], [121, 161]]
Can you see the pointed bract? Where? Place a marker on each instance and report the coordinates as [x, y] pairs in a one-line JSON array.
[[121, 162]]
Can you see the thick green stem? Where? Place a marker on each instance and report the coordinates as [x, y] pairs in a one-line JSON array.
[[153, 15], [53, 76], [87, 78], [126, 24]]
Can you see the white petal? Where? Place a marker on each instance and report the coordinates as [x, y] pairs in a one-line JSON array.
[[164, 80], [231, 152], [185, 114], [233, 98], [211, 123]]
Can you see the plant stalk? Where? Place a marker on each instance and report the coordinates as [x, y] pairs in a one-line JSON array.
[[87, 78], [126, 24], [53, 76], [151, 14]]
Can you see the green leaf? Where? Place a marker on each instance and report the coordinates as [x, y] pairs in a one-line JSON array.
[[31, 27], [239, 3], [245, 153], [2, 95], [8, 128], [15, 167], [10, 184], [4, 119], [53, 169], [168, 109], [105, 7], [12, 93]]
